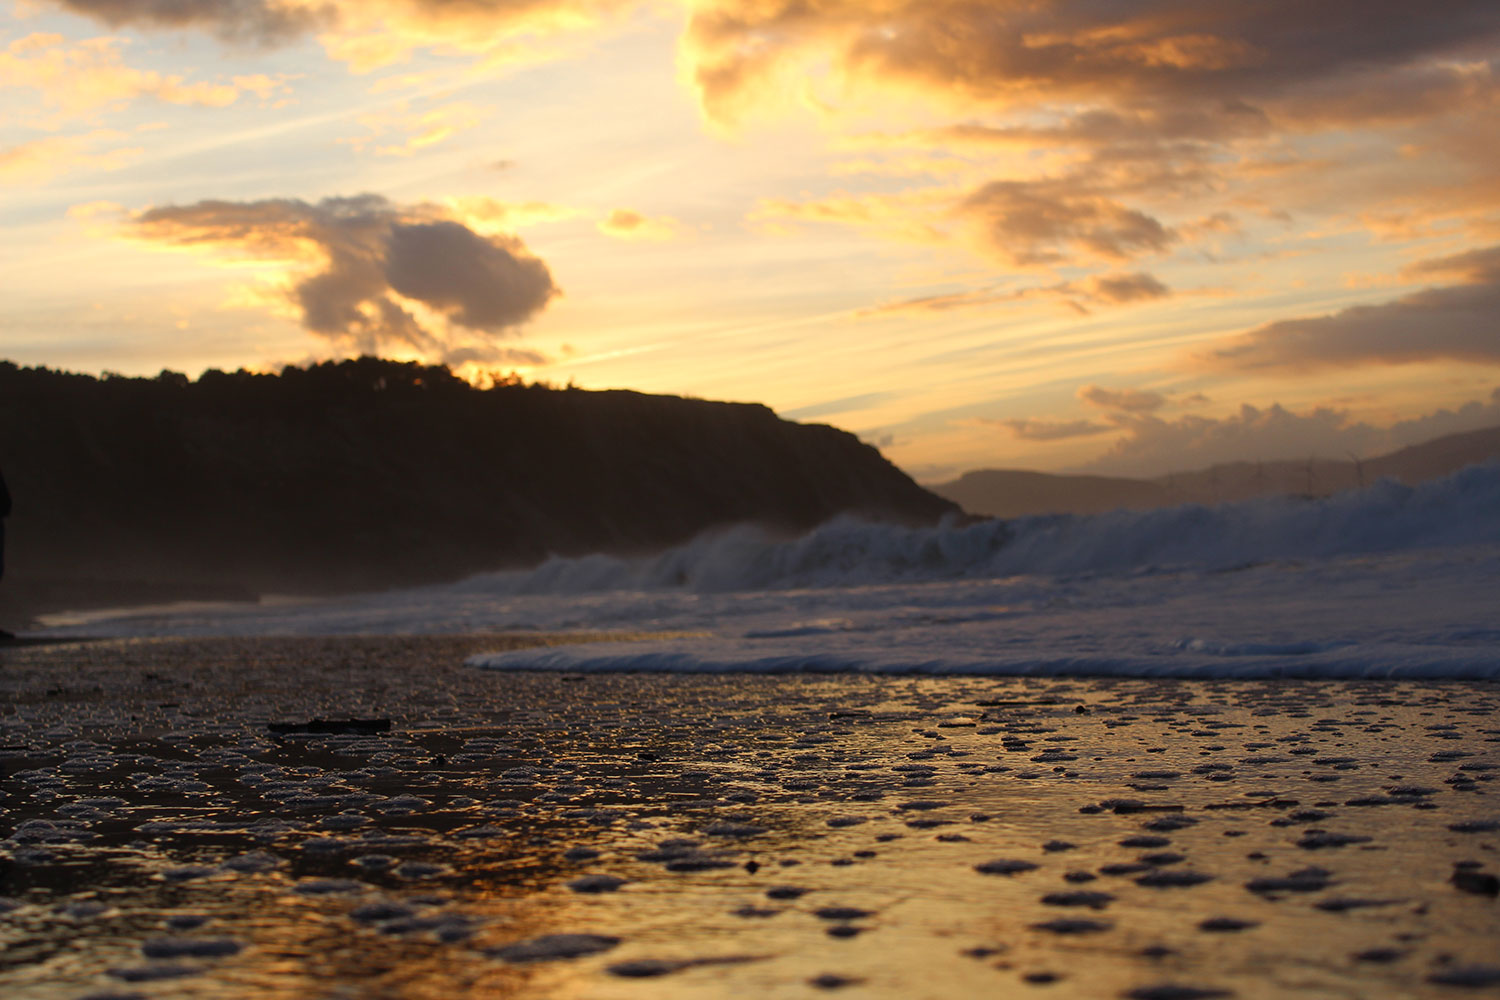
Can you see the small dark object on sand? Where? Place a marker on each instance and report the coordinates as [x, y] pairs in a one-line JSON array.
[[1172, 991], [1479, 883], [829, 981], [333, 726]]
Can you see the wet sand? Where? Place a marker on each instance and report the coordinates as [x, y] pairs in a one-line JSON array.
[[562, 836]]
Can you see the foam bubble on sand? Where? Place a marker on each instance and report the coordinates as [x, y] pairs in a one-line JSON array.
[[1005, 866], [596, 883], [1223, 925], [841, 913], [327, 887], [550, 947], [153, 972], [372, 913], [185, 947], [186, 873], [1173, 878], [1470, 976], [1081, 897], [253, 862], [1175, 991], [831, 981], [786, 892], [1074, 926]]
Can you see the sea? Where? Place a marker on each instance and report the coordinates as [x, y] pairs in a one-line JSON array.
[[1389, 581]]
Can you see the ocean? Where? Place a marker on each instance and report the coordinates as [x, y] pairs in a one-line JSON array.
[[1391, 581]]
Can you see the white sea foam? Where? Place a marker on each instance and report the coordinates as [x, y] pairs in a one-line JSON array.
[[1387, 581], [1458, 510]]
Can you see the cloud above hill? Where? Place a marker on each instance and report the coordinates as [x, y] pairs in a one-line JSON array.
[[1152, 445], [1455, 322], [370, 275], [1127, 400]]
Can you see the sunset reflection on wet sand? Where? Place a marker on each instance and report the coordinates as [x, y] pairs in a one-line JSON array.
[[562, 836]]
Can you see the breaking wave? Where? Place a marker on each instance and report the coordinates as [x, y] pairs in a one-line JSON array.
[[1460, 509]]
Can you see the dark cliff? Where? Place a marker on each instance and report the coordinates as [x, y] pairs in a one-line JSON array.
[[368, 473]]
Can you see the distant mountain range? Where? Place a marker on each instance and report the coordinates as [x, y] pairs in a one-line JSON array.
[[370, 474], [1017, 493]]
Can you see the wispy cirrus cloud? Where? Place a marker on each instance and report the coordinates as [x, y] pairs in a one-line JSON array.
[[403, 130], [1037, 429], [1111, 289]]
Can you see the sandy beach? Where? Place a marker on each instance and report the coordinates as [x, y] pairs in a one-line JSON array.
[[369, 817]]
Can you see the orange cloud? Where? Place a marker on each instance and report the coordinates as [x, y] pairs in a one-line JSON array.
[[1094, 128], [42, 159], [626, 224], [1033, 429], [79, 78], [1027, 223], [369, 275], [366, 34], [262, 22], [1126, 400], [1013, 53], [915, 216], [1110, 125], [416, 130], [372, 33], [492, 216]]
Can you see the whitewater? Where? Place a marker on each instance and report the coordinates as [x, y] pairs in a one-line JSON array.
[[1385, 582]]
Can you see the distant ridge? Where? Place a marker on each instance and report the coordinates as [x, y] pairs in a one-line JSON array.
[[368, 474], [1016, 493]]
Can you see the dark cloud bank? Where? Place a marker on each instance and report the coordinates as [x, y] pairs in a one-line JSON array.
[[260, 22], [1454, 322]]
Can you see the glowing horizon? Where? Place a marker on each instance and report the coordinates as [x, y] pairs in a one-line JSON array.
[[1149, 236]]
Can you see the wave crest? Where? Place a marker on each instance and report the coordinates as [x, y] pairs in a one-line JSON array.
[[1460, 509]]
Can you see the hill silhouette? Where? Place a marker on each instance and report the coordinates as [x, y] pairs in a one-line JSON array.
[[367, 474], [1017, 493]]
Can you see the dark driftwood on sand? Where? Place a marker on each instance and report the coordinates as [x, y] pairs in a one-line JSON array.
[[355, 726]]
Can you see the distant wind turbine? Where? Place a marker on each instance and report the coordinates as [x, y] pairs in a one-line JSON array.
[[1359, 469]]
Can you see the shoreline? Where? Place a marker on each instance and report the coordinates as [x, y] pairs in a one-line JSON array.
[[902, 836]]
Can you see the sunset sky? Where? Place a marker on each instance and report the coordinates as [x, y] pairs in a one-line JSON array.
[[1060, 234]]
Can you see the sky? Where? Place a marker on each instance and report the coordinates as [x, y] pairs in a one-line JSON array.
[[1115, 236]]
